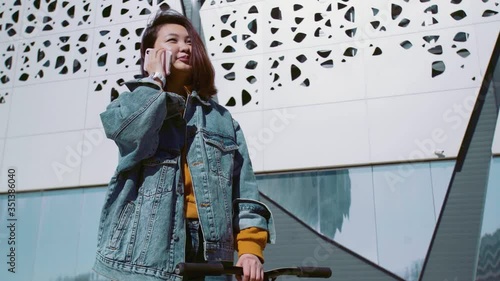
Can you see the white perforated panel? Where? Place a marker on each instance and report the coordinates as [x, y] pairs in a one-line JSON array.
[[53, 57], [422, 43], [116, 48], [102, 90], [52, 16], [61, 63], [7, 60], [328, 52], [5, 95]]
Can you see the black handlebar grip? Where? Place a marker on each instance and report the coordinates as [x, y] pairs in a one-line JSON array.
[[194, 269], [321, 272]]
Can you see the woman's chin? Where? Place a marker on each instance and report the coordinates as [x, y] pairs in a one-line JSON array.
[[181, 67]]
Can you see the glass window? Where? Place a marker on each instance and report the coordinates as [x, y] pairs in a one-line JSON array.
[[347, 209], [405, 220], [441, 172], [336, 203], [491, 215], [296, 192], [488, 267], [93, 200], [58, 235], [26, 234]]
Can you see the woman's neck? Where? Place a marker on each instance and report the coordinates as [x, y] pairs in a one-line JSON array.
[[176, 84]]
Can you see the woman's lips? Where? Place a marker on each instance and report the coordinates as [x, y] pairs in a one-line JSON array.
[[184, 59]]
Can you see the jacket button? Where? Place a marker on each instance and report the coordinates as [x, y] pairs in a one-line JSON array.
[[176, 237]]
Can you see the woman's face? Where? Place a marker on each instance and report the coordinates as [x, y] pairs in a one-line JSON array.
[[174, 37]]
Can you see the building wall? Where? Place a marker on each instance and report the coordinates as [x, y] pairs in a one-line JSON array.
[[328, 84], [349, 83], [314, 84]]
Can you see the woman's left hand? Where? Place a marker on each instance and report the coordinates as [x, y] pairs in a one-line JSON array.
[[252, 268]]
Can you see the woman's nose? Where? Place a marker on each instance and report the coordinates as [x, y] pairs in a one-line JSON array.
[[184, 47]]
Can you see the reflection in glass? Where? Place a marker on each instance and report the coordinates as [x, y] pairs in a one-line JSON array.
[[336, 203], [357, 230], [296, 192], [320, 199], [404, 211], [488, 267], [334, 200]]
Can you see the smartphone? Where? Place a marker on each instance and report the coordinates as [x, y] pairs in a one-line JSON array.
[[166, 58]]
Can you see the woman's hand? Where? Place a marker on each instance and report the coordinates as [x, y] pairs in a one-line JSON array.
[[252, 268], [155, 61]]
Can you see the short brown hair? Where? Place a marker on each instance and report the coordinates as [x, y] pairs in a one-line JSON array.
[[203, 76]]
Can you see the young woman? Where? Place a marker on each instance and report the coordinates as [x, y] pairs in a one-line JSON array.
[[184, 189]]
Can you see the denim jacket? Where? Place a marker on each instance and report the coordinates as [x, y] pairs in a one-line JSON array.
[[141, 232]]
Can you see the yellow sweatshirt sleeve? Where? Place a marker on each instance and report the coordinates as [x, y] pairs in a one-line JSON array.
[[251, 241]]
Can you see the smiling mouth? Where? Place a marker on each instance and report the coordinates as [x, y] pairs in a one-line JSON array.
[[184, 59]]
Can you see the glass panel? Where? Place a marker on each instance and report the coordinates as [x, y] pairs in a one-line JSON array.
[[337, 203], [93, 200], [441, 176], [58, 235], [296, 192], [488, 267], [347, 210], [26, 234], [404, 212]]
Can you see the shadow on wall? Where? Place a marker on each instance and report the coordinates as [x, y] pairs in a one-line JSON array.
[[320, 199]]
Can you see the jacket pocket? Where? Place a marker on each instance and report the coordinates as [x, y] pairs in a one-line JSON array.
[[158, 174], [220, 153], [121, 225]]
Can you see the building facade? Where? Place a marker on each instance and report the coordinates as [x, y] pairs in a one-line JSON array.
[[354, 114]]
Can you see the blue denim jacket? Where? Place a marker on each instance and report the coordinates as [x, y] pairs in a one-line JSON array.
[[142, 227]]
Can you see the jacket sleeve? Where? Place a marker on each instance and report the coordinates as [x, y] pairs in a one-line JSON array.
[[248, 210], [133, 121]]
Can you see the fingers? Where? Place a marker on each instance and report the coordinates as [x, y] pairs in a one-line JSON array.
[[252, 268], [239, 263], [155, 60]]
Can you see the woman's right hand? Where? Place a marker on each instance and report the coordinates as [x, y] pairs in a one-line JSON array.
[[154, 62]]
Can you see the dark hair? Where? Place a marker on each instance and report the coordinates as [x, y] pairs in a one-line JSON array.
[[203, 76]]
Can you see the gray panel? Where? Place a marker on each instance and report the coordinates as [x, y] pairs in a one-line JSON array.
[[298, 245], [453, 254]]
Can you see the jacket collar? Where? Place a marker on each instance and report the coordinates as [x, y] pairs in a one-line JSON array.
[[147, 81], [194, 94]]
